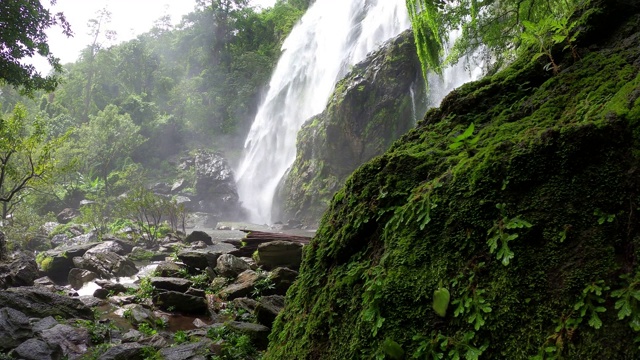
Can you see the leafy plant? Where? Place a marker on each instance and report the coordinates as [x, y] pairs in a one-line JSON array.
[[441, 299], [99, 332], [591, 303], [603, 217], [465, 139], [180, 337], [628, 303], [499, 235], [146, 329]]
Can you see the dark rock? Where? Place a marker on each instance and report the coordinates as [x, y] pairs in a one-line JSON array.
[[37, 302], [199, 259], [169, 269], [21, 271], [175, 301], [228, 265], [138, 314], [128, 351], [196, 292], [59, 239], [44, 324], [67, 215], [243, 286], [268, 308], [191, 351], [171, 284], [216, 186], [247, 304], [132, 335], [107, 264], [161, 188], [62, 261], [91, 301], [78, 277], [112, 287], [198, 236], [36, 349], [14, 328], [37, 243], [259, 334], [73, 341], [279, 254], [122, 300], [282, 279], [101, 293]]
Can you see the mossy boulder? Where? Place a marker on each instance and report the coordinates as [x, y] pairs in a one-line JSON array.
[[369, 109], [533, 228]]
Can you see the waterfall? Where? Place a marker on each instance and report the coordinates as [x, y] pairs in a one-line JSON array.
[[331, 37]]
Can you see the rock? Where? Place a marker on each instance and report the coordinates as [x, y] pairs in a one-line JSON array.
[[101, 293], [259, 334], [279, 254], [156, 341], [199, 323], [119, 247], [36, 349], [169, 269], [128, 351], [198, 236], [228, 265], [196, 292], [216, 186], [48, 227], [243, 286], [282, 279], [44, 324], [175, 301], [178, 185], [83, 239], [91, 301], [79, 277], [59, 239], [122, 300], [247, 304], [137, 314], [67, 215], [189, 351], [37, 302], [199, 259], [107, 264], [62, 261], [73, 341], [45, 282], [172, 284], [268, 308], [132, 335], [37, 243], [110, 286], [14, 328], [21, 271]]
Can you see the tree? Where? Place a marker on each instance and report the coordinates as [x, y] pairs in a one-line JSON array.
[[22, 35], [26, 156], [495, 25], [106, 139]]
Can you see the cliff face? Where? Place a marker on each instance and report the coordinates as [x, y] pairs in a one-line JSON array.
[[369, 109], [528, 219]]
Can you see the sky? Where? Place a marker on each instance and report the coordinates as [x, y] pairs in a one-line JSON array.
[[129, 18]]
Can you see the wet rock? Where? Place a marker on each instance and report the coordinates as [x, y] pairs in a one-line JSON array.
[[138, 314], [62, 261], [243, 286], [122, 300], [107, 264], [44, 324], [190, 351], [128, 351], [228, 265], [73, 341], [279, 254], [282, 279], [36, 349], [112, 287], [91, 301], [259, 334], [101, 293], [198, 236], [199, 259], [14, 328], [37, 302], [171, 283], [78, 277], [268, 308], [175, 301], [169, 269]]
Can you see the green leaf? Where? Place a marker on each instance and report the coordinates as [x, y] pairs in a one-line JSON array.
[[441, 298], [456, 145], [595, 321], [392, 349]]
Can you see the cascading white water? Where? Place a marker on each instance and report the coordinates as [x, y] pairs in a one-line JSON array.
[[331, 37]]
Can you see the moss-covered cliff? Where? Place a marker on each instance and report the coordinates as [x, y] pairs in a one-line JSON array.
[[369, 109], [533, 229]]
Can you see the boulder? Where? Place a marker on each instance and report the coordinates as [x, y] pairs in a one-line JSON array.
[[91, 301], [198, 236], [111, 287], [22, 270], [216, 186], [37, 302], [73, 341], [78, 277], [282, 279], [44, 324], [67, 215], [61, 261], [268, 308], [171, 284], [132, 335], [178, 185], [47, 228], [117, 246], [36, 349], [175, 301], [14, 328], [199, 259], [228, 265], [190, 351], [279, 254], [106, 264], [127, 351], [247, 304], [82, 239], [259, 334], [138, 314], [169, 269], [59, 239], [243, 286]]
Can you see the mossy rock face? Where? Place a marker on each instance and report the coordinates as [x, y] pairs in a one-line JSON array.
[[552, 182], [369, 109]]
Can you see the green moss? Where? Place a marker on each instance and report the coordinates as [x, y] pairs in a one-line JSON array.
[[559, 152]]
